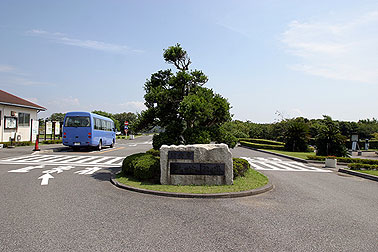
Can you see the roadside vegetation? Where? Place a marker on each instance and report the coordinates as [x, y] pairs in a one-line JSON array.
[[29, 143]]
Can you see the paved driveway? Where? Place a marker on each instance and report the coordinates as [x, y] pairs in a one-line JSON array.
[[306, 211]]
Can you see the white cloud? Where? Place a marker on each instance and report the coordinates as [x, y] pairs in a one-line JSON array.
[[65, 102], [88, 44], [6, 69], [344, 50], [132, 106], [20, 81]]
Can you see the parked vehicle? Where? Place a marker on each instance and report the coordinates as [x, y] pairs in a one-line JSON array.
[[84, 129]]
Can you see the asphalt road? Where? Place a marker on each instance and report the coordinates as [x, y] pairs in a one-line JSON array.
[[306, 211]]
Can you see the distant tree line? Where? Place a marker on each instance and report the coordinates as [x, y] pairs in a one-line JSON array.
[[327, 135]]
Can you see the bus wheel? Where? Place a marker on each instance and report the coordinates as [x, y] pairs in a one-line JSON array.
[[99, 146], [112, 145]]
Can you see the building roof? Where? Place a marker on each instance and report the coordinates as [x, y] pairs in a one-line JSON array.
[[9, 99]]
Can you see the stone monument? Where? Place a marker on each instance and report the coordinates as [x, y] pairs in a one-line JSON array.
[[198, 164]]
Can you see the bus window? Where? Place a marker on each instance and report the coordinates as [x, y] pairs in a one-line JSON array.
[[77, 121], [103, 124], [98, 124], [108, 126]]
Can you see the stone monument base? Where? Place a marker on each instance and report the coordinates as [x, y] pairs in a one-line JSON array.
[[198, 164]]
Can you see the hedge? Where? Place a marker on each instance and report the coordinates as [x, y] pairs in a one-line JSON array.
[[153, 152], [29, 143], [359, 166], [51, 141], [240, 167], [346, 160], [23, 143], [261, 141], [142, 166], [262, 146]]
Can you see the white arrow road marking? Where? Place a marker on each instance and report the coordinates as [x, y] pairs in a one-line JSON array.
[[59, 169], [28, 168], [89, 170], [132, 145], [45, 178]]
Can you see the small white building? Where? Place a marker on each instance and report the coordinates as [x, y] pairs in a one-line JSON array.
[[18, 117]]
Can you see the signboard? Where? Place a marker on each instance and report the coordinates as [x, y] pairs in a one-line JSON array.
[[354, 138], [10, 123], [197, 169], [48, 128], [126, 123], [57, 128], [35, 127], [126, 127]]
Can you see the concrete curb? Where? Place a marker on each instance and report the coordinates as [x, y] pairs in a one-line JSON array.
[[277, 154], [262, 189], [359, 174], [57, 149]]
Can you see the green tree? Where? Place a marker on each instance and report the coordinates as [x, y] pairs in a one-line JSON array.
[[122, 117], [177, 102], [109, 115], [296, 134], [59, 117], [329, 140]]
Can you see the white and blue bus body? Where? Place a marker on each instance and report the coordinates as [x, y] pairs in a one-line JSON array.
[[84, 129]]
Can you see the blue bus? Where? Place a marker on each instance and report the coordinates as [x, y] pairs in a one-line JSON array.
[[84, 129]]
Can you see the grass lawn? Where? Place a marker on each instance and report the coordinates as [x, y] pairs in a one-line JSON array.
[[302, 155], [371, 172], [252, 180]]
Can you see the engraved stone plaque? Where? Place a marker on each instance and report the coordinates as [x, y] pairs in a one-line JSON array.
[[197, 169]]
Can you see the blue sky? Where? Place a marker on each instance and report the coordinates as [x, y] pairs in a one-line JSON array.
[[301, 58]]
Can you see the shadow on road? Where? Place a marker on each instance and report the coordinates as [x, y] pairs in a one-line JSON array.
[[104, 174]]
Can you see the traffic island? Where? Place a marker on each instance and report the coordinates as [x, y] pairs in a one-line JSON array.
[[252, 183], [201, 173]]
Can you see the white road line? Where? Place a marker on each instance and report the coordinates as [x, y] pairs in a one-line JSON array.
[[99, 160], [27, 169], [45, 178], [114, 160], [273, 164], [269, 165], [85, 159], [110, 161], [88, 171]]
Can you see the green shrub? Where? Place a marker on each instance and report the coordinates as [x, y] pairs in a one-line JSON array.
[[23, 143], [240, 167], [359, 166], [261, 141], [147, 167], [128, 163], [142, 166], [51, 141], [153, 152], [262, 146]]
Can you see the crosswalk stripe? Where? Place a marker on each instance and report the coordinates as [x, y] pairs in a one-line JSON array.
[[114, 160], [65, 160], [99, 160], [275, 164], [86, 159]]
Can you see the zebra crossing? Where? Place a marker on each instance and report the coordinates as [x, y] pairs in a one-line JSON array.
[[276, 164], [106, 161]]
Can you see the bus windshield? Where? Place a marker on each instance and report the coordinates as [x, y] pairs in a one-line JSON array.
[[77, 121]]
